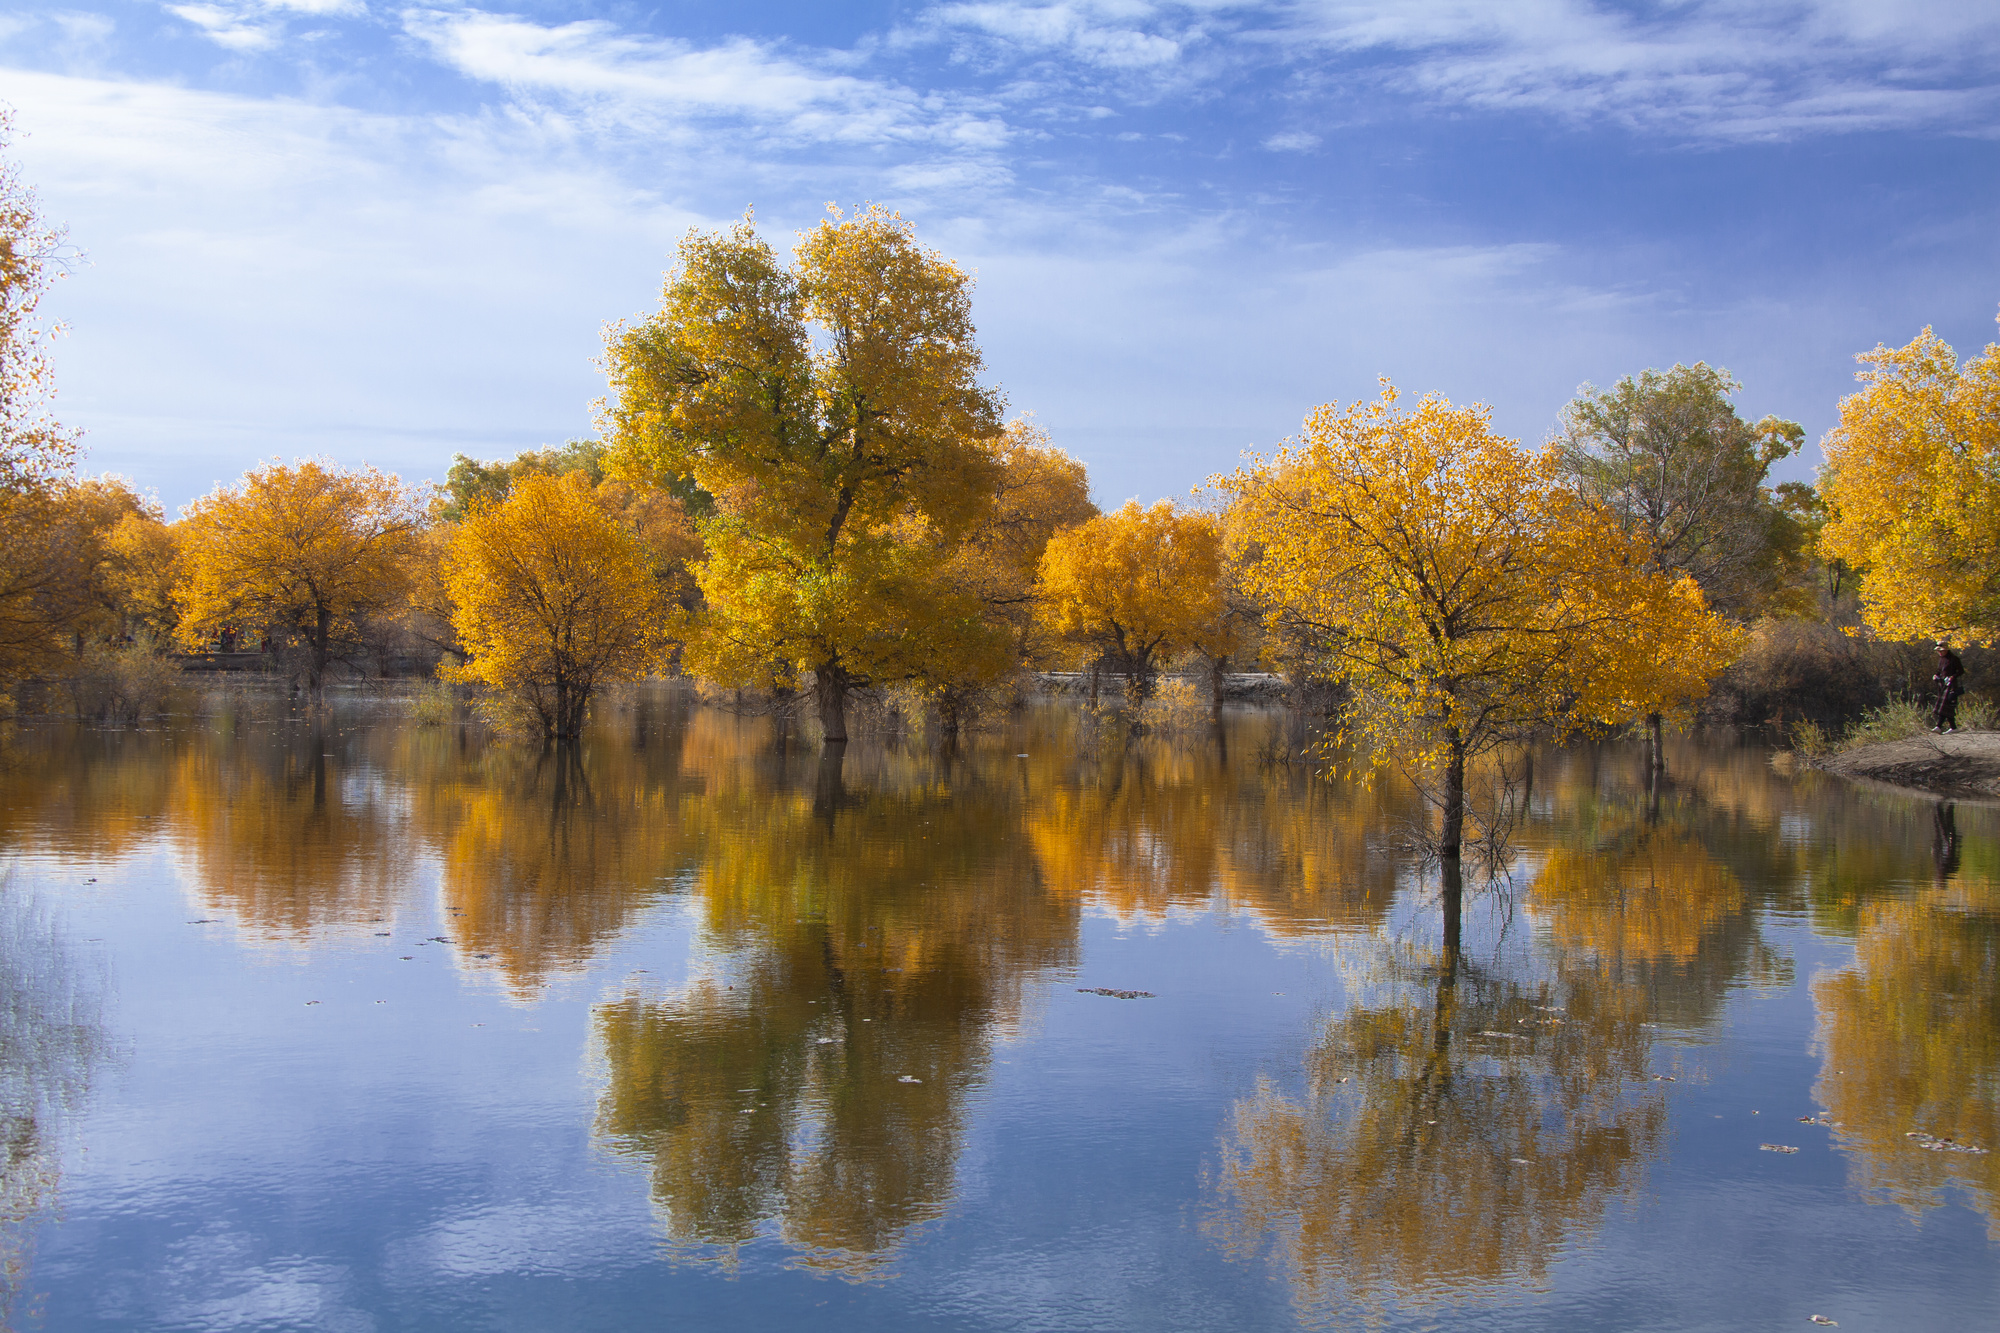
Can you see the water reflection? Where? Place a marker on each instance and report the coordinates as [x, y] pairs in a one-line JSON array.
[[288, 833], [50, 1039], [545, 854], [1451, 1137], [1911, 1034], [870, 939], [873, 925]]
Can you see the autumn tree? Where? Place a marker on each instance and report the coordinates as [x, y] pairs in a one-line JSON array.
[[1466, 595], [41, 558], [1135, 586], [1913, 479], [304, 553], [34, 448], [1667, 453], [820, 403], [1038, 491], [554, 599]]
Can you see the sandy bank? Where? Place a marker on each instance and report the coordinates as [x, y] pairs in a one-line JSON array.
[[1963, 765]]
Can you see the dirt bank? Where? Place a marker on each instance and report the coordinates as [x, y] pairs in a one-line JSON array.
[[1964, 765]]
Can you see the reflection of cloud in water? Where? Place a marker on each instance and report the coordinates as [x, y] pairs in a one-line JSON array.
[[50, 1037], [521, 1238], [220, 1278]]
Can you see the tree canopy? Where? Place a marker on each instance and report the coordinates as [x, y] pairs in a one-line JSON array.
[[1464, 592], [1912, 479], [1667, 453], [303, 553], [823, 404], [554, 599], [1136, 585]]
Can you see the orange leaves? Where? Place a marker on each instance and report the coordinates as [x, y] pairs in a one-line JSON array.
[[306, 550], [553, 599], [1139, 583]]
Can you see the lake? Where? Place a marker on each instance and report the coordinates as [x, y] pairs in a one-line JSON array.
[[355, 1024]]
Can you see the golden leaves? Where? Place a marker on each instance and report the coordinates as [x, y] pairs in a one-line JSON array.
[[1913, 479], [553, 599]]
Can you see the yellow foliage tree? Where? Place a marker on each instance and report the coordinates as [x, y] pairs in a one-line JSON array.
[[1137, 585], [1462, 590], [1913, 480], [815, 455], [33, 447], [553, 599], [303, 553]]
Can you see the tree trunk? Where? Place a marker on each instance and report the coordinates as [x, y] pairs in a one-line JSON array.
[[830, 685], [829, 791], [562, 722], [1659, 755], [1215, 669], [1452, 836], [321, 649], [1454, 911]]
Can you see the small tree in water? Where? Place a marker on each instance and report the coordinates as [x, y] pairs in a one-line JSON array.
[[1468, 596], [554, 600]]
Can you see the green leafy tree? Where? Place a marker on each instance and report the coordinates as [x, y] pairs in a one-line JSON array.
[[1668, 454]]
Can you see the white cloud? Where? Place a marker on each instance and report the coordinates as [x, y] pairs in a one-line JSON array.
[[1725, 69], [1294, 141], [1104, 34], [652, 82], [236, 28]]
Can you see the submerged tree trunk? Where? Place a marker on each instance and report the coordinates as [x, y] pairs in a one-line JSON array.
[[322, 649], [1216, 668], [830, 686], [1451, 836], [1658, 758], [1454, 910]]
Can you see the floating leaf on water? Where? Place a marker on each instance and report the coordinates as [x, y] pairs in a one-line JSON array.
[[1822, 1319], [1510, 1036], [1666, 1078], [909, 1078], [1115, 994], [1777, 1147]]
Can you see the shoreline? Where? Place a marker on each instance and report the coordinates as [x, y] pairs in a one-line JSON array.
[[1962, 766]]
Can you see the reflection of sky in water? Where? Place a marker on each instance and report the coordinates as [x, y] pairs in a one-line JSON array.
[[310, 1126]]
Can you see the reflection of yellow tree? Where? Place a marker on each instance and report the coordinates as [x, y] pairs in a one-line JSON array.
[[1644, 894], [1151, 826], [1446, 1144], [85, 794], [547, 853], [1912, 1040], [288, 837], [876, 940]]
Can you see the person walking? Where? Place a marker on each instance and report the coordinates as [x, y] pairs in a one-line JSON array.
[[1950, 671]]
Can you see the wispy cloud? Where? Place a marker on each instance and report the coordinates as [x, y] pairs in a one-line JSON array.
[[1111, 34], [658, 82], [1722, 69]]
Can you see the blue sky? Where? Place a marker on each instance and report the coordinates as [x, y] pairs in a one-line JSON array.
[[390, 233]]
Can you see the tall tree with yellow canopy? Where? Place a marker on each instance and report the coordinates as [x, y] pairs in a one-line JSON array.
[[814, 450], [1463, 591]]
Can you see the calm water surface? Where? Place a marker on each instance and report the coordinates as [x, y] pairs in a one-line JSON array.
[[362, 1025]]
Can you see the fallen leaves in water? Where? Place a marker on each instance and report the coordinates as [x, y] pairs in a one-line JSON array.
[[1822, 1319], [1930, 1144], [1115, 994], [1777, 1147]]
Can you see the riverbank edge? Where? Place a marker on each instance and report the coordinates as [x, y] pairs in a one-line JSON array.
[[1961, 766]]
